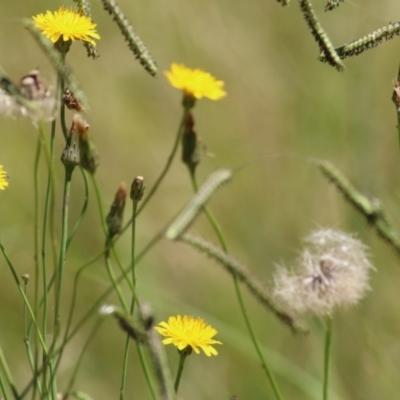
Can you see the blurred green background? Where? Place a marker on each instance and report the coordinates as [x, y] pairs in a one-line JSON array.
[[281, 101]]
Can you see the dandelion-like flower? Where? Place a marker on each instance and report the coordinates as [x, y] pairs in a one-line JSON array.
[[68, 24], [188, 331], [3, 178], [195, 82], [332, 272]]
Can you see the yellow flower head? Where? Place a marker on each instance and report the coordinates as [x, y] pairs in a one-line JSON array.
[[3, 178], [188, 331], [68, 24], [195, 82]]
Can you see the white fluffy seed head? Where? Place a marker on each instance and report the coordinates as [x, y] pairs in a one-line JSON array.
[[332, 271], [38, 99]]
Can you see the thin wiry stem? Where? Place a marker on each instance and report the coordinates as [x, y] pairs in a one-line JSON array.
[[327, 355], [239, 295]]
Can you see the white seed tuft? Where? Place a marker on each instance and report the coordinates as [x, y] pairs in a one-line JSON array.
[[332, 271]]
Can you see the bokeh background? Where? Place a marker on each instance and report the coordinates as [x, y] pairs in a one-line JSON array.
[[282, 106]]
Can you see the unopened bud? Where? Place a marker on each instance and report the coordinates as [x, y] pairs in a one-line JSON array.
[[25, 278], [191, 155], [70, 155], [88, 154], [115, 216], [188, 101], [137, 188]]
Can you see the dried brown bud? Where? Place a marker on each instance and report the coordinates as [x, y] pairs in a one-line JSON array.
[[115, 216], [137, 188], [89, 159]]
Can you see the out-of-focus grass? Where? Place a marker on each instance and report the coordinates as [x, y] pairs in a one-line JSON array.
[[280, 101]]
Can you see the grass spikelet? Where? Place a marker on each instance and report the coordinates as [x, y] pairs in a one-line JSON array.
[[370, 208], [134, 42], [320, 35], [367, 42], [332, 4], [252, 283], [56, 60], [190, 212], [84, 8]]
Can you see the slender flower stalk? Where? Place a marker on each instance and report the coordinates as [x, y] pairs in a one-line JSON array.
[[332, 272], [327, 355], [187, 334], [182, 358], [136, 194], [240, 298]]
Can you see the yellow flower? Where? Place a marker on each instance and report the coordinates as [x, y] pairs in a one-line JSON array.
[[68, 24], [3, 178], [195, 82], [188, 331]]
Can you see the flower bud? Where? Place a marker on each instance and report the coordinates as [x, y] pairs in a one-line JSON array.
[[71, 155], [25, 278], [115, 216], [137, 188], [89, 158], [191, 155]]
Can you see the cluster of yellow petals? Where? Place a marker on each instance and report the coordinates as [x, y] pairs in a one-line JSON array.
[[195, 82], [3, 178], [188, 331], [68, 24]]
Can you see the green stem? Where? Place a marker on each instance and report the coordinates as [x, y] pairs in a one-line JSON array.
[[36, 234], [35, 375], [239, 295], [182, 358], [128, 341], [84, 207], [60, 273], [48, 211], [114, 282], [116, 287], [165, 169], [26, 301], [110, 271], [4, 389], [89, 340], [327, 355], [169, 161], [63, 249], [7, 373], [134, 299], [146, 200]]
